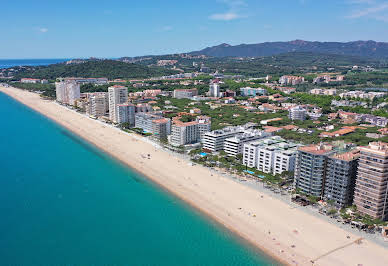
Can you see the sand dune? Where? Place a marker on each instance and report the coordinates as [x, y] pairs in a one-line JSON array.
[[289, 234]]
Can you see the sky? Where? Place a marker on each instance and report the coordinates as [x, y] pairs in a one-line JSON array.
[[116, 28]]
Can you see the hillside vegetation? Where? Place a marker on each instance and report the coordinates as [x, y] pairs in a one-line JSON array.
[[103, 68]]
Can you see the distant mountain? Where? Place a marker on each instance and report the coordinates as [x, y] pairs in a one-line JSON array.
[[357, 48], [110, 69]]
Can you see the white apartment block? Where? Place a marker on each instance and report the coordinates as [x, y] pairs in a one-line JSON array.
[[185, 93], [117, 95], [318, 91], [234, 145], [297, 113], [184, 133], [98, 104], [204, 125], [270, 155], [214, 140], [284, 161], [144, 120], [67, 92], [214, 90], [126, 113], [362, 94]]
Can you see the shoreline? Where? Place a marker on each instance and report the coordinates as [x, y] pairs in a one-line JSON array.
[[224, 201]]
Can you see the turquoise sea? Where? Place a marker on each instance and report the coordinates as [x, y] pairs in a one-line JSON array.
[[6, 63], [63, 202]]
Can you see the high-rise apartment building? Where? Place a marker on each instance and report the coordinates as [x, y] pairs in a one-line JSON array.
[[117, 95], [341, 177], [371, 192], [67, 91], [204, 125], [160, 128], [98, 104], [310, 168], [214, 90], [297, 113], [184, 133], [125, 113]]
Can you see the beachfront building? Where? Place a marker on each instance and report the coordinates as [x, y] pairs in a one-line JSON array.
[[117, 95], [183, 133], [341, 177], [270, 155], [185, 93], [98, 104], [297, 113], [204, 125], [144, 120], [125, 113], [248, 91], [214, 140], [310, 168], [67, 91], [371, 192], [214, 90], [160, 128], [234, 145]]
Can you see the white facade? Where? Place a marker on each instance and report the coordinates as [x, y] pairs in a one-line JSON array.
[[297, 113], [270, 155], [214, 90], [234, 145], [284, 161], [144, 121], [214, 140], [184, 133], [117, 95], [185, 93], [204, 126], [68, 92]]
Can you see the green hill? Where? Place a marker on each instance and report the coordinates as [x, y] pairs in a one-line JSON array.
[[102, 68]]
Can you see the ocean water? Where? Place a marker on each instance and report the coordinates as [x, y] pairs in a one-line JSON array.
[[6, 63], [63, 202]]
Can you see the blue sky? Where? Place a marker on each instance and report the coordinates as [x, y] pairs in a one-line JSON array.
[[74, 29]]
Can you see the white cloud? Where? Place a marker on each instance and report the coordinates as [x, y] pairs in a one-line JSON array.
[[224, 16], [234, 10], [43, 30], [369, 9]]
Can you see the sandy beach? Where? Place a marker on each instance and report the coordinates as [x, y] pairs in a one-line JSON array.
[[288, 234]]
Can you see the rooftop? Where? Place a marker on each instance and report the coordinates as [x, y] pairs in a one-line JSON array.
[[318, 149], [347, 156], [377, 147]]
